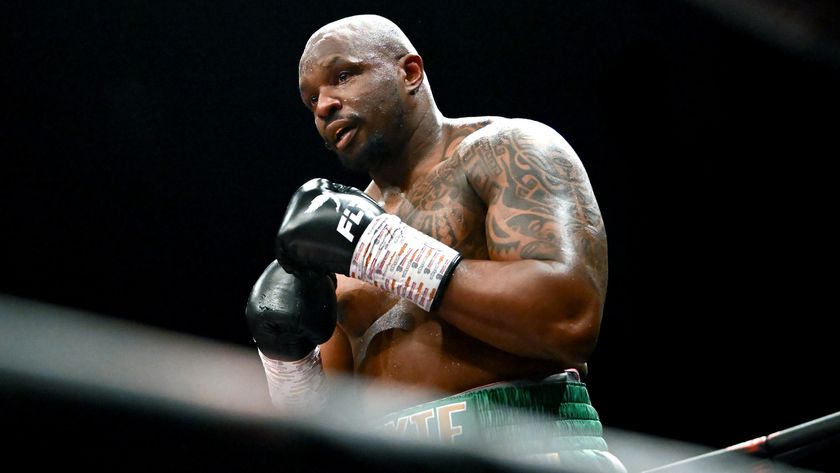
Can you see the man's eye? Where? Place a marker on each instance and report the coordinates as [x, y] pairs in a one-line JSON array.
[[313, 100]]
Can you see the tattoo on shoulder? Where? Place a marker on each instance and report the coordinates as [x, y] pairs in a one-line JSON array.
[[541, 204]]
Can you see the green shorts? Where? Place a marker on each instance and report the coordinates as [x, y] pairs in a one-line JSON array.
[[550, 421]]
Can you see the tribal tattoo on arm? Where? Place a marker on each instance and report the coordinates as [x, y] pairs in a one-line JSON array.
[[540, 203]]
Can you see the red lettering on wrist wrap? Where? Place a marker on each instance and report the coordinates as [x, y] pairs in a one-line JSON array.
[[402, 260]]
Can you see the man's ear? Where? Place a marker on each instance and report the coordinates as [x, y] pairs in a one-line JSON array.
[[412, 65]]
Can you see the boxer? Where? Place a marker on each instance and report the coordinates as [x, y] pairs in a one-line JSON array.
[[473, 264]]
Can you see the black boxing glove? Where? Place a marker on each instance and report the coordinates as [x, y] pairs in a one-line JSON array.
[[289, 315], [322, 224], [330, 227]]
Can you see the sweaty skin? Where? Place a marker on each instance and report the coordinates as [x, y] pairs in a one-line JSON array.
[[510, 195]]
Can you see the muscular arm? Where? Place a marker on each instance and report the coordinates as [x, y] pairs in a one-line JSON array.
[[541, 293]]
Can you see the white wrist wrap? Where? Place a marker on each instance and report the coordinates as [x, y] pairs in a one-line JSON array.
[[297, 384], [404, 261]]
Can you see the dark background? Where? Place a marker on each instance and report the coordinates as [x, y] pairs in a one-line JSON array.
[[149, 148]]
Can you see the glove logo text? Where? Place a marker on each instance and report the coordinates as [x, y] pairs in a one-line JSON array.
[[346, 223]]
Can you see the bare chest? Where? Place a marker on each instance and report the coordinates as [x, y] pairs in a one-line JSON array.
[[445, 207], [441, 205]]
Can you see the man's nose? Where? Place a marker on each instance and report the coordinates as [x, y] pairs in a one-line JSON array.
[[327, 105]]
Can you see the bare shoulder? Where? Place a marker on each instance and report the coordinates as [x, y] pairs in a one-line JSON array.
[[516, 150], [502, 131], [540, 203]]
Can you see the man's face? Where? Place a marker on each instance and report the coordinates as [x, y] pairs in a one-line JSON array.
[[355, 98]]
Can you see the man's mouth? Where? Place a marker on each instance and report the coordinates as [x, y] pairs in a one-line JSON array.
[[343, 137], [340, 133]]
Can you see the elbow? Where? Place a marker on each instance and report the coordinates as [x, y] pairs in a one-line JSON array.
[[575, 324], [573, 340]]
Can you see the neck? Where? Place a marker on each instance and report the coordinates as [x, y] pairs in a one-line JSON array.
[[424, 147]]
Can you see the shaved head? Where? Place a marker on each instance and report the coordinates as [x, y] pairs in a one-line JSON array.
[[367, 36], [365, 85]]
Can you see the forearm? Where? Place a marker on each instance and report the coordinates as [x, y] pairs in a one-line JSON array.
[[538, 309], [305, 383], [296, 385]]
